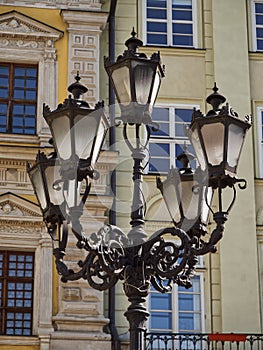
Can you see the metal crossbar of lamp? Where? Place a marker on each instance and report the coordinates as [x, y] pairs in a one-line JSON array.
[[137, 260]]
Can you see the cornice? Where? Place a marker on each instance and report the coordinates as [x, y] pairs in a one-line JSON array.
[[86, 5], [174, 51], [84, 20], [256, 56]]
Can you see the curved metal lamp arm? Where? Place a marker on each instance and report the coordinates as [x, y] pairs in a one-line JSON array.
[[202, 248]]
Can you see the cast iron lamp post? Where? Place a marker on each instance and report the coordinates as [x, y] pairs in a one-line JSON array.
[[136, 259]]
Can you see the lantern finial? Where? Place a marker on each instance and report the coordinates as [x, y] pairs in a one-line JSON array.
[[185, 158], [215, 99], [133, 42], [76, 88]]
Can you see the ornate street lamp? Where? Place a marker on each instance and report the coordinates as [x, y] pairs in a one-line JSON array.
[[187, 197], [78, 132], [136, 80], [219, 151], [136, 259], [45, 175]]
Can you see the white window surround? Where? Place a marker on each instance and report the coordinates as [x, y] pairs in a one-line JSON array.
[[25, 40], [259, 140], [175, 309], [169, 22], [172, 138], [253, 23]]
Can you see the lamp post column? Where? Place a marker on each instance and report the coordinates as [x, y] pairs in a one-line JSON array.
[[136, 281]]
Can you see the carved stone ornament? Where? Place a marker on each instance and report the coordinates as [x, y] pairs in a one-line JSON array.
[[16, 208], [83, 4], [25, 31]]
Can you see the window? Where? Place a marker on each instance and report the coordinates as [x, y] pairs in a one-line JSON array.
[[170, 22], [168, 142], [260, 140], [18, 99], [180, 311], [16, 292]]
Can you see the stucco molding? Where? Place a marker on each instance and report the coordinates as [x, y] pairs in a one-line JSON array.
[[24, 29], [56, 4], [84, 29], [260, 216]]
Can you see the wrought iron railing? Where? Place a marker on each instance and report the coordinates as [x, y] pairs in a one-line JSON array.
[[226, 341]]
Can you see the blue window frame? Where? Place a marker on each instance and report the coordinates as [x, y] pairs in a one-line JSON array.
[[169, 141], [179, 311], [18, 98], [170, 23], [16, 293]]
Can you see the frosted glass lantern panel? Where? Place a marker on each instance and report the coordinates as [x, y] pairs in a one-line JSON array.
[[195, 140], [72, 193], [172, 200], [61, 131], [156, 85], [55, 191], [98, 143], [85, 129], [213, 136], [207, 199], [121, 79], [190, 200], [236, 136], [38, 185], [143, 75]]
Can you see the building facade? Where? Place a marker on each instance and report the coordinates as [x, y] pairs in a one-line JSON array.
[[43, 45]]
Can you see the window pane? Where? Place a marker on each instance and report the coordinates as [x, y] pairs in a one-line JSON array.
[[159, 149], [3, 93], [156, 3], [19, 71], [19, 83], [31, 84], [4, 70], [31, 95], [161, 301], [183, 115], [157, 27], [160, 114], [161, 321], [259, 19], [157, 39], [159, 165], [3, 81], [31, 72], [156, 13], [259, 8], [259, 32], [182, 40], [19, 94], [189, 302], [260, 44], [182, 28], [182, 15]]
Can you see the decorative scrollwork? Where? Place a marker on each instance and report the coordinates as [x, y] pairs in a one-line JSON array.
[[166, 260], [96, 275]]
